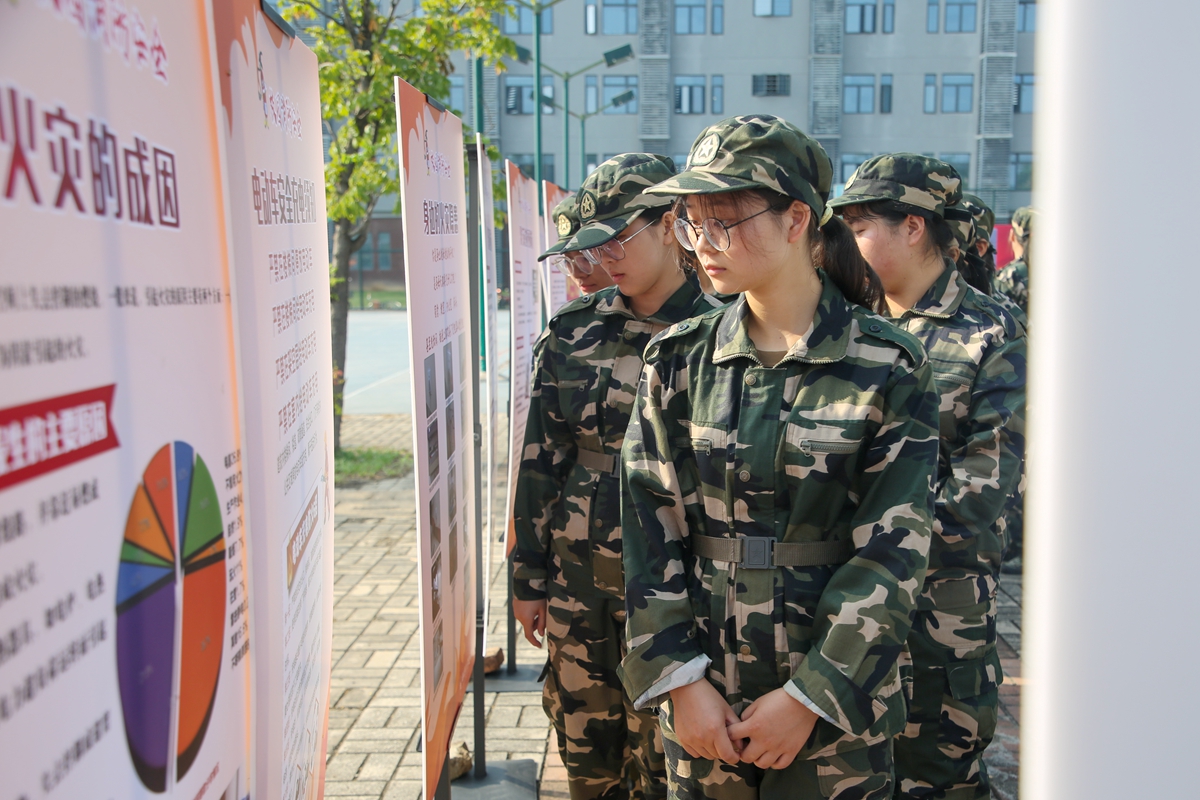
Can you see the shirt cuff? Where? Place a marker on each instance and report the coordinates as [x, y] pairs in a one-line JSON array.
[[689, 673], [794, 691]]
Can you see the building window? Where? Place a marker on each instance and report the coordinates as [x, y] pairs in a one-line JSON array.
[[519, 20], [960, 16], [680, 160], [858, 94], [772, 8], [689, 16], [518, 94], [689, 94], [1020, 171], [851, 162], [458, 94], [592, 162], [889, 16], [525, 162], [619, 84], [383, 251], [962, 163], [931, 16], [860, 16], [718, 94], [771, 85], [1027, 16], [885, 94], [957, 93], [1023, 93], [620, 17], [366, 256], [591, 95], [931, 94], [589, 17], [718, 16]]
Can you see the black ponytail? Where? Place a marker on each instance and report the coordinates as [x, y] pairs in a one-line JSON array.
[[835, 250]]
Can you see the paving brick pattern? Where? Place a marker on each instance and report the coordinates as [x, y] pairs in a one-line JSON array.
[[374, 720]]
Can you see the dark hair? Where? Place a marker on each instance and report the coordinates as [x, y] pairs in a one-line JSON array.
[[653, 215], [834, 248], [975, 271]]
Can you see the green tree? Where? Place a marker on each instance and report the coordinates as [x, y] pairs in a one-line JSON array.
[[361, 45]]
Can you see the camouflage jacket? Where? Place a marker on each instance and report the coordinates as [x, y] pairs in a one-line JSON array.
[[1013, 282], [836, 443], [977, 351], [567, 503]]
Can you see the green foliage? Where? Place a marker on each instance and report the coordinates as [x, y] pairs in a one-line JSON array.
[[358, 466], [361, 45]]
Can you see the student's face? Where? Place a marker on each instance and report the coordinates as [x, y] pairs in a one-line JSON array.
[[588, 282], [758, 248], [885, 247], [648, 258]]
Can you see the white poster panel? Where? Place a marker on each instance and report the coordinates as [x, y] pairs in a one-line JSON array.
[[437, 274], [524, 315], [556, 284], [123, 634], [270, 117], [494, 484]]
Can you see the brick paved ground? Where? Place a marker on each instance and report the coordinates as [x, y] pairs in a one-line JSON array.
[[374, 718]]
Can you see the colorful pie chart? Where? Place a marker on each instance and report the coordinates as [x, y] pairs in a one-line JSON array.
[[171, 592]]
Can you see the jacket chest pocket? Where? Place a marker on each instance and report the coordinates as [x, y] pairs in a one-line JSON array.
[[704, 453], [815, 456], [578, 399]]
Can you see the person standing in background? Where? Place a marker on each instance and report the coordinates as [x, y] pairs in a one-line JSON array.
[[1013, 280], [572, 263], [568, 581], [896, 205]]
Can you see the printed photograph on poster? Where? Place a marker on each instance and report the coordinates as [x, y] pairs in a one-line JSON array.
[[431, 398], [448, 352], [462, 359], [450, 429], [452, 492], [452, 547], [434, 457], [438, 649], [437, 583], [435, 521]]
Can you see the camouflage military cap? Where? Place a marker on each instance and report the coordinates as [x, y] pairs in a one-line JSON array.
[[1022, 221], [615, 194], [756, 151], [962, 224], [985, 218], [566, 220], [914, 183]]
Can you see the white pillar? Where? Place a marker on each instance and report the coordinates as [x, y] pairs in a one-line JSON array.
[[1112, 596]]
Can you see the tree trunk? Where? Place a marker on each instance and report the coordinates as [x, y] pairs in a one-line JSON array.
[[339, 309]]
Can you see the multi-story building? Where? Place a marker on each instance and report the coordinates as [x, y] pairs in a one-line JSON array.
[[952, 78]]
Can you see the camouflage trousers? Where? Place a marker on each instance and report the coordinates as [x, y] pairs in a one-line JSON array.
[[610, 751], [864, 773], [954, 675]]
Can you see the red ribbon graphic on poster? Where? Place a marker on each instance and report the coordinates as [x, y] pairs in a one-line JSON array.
[[50, 434]]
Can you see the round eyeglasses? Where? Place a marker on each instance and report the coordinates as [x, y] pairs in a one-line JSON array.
[[613, 248], [570, 264], [716, 233]]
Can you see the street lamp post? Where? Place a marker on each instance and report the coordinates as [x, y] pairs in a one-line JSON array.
[[610, 58], [619, 100]]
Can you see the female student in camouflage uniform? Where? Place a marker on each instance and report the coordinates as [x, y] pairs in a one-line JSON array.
[[778, 479], [895, 204], [568, 582], [573, 263]]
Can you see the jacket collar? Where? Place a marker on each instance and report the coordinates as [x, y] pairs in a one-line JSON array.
[[823, 343], [944, 297], [679, 306]]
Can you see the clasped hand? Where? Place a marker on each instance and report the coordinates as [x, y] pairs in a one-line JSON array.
[[769, 733]]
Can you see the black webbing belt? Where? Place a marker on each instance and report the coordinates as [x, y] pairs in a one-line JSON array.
[[764, 552]]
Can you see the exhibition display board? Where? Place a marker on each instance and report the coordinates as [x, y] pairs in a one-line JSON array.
[[437, 264], [123, 619], [494, 480], [556, 287], [270, 119], [524, 315]]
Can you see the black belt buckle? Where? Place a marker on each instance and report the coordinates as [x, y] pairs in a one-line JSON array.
[[758, 552]]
